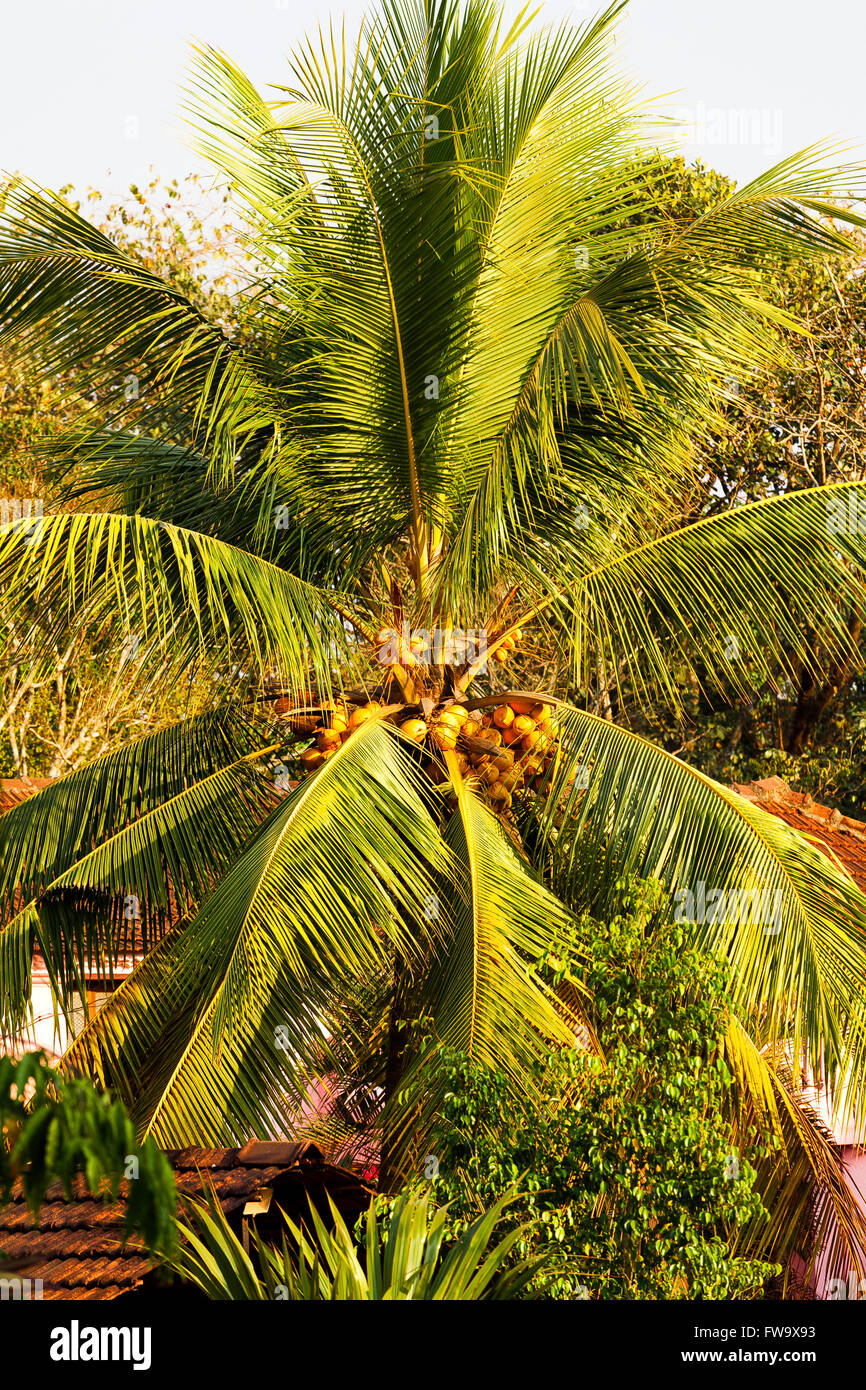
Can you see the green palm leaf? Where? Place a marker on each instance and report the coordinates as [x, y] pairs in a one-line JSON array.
[[490, 1003], [64, 288], [792, 923], [166, 857], [189, 597], [731, 597], [814, 1211], [44, 835], [210, 1034]]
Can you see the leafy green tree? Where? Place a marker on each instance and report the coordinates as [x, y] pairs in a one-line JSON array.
[[53, 1128], [627, 1158], [468, 388]]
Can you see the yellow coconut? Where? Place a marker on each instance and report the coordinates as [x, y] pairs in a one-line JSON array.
[[339, 718], [444, 737], [522, 706], [361, 713], [503, 716], [415, 728], [448, 716], [312, 757]]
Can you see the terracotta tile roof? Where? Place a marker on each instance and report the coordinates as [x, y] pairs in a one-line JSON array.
[[76, 1247], [838, 836], [15, 789]]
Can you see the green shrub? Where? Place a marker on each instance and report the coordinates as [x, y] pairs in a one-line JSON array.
[[626, 1162]]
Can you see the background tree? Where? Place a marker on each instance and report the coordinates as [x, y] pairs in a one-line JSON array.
[[628, 1161], [73, 706]]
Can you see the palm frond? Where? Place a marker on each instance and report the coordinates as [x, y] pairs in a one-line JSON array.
[[120, 880], [65, 287], [213, 1032], [732, 598], [791, 922], [190, 599], [814, 1211]]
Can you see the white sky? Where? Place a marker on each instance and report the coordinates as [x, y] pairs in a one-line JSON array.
[[761, 78]]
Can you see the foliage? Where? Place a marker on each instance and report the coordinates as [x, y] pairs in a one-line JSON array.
[[626, 1161], [76, 706], [795, 423], [405, 1258], [52, 1128], [478, 365]]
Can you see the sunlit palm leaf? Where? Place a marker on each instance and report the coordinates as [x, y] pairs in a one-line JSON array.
[[211, 1034], [792, 923], [813, 1211], [46, 833], [732, 598], [164, 859], [188, 597]]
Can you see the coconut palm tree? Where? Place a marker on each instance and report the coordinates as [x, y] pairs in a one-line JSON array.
[[461, 407]]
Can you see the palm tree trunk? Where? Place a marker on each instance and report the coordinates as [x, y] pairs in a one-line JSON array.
[[814, 699], [394, 1068]]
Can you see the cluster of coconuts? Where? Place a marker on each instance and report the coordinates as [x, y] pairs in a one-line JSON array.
[[339, 724], [507, 645], [507, 747]]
